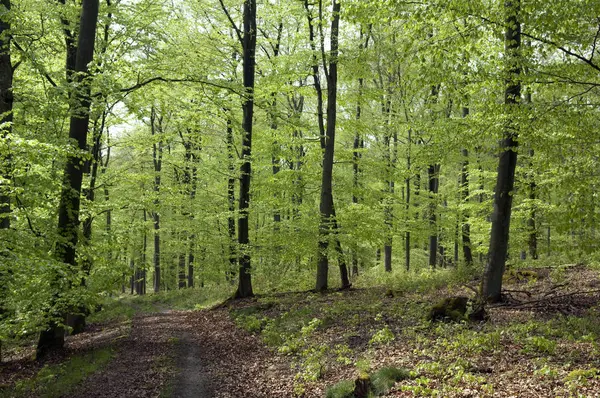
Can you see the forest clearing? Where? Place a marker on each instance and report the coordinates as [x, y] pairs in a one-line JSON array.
[[299, 198]]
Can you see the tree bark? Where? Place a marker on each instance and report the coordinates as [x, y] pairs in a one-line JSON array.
[[492, 280], [6, 115], [157, 154], [181, 272], [6, 118], [68, 212], [464, 192], [249, 46], [230, 274], [328, 222], [407, 246], [433, 172]]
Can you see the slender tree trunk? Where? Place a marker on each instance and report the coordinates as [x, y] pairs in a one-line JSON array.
[[296, 102], [464, 192], [433, 174], [328, 222], [492, 280], [249, 45], [190, 275], [181, 273], [6, 118], [68, 213], [356, 155], [6, 115], [157, 154], [358, 147], [407, 246], [276, 149], [387, 213], [144, 257], [230, 274], [531, 221]]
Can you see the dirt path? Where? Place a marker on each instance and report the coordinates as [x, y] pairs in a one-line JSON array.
[[199, 354], [191, 380]]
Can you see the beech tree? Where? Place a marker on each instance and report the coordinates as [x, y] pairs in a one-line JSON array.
[[503, 194], [70, 200]]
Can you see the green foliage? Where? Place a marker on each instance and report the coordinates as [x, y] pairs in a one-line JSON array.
[[382, 337], [54, 381], [250, 323], [540, 344], [580, 378], [343, 389], [385, 378]]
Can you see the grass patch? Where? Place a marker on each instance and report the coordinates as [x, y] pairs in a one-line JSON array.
[[385, 378], [58, 380], [343, 389]]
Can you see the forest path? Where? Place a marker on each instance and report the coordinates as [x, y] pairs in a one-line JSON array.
[[199, 354]]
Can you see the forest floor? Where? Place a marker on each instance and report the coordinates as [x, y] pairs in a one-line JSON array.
[[541, 342]]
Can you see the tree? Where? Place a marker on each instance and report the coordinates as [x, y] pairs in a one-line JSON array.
[[503, 194], [6, 112], [157, 159], [249, 50], [328, 220], [70, 198]]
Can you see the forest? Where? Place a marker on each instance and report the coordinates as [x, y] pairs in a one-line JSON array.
[[299, 198]]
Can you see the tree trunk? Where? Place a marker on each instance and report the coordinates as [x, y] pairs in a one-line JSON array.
[[356, 155], [6, 115], [68, 212], [230, 274], [142, 282], [433, 172], [531, 221], [190, 275], [157, 154], [249, 45], [407, 246], [326, 206], [464, 191], [181, 272], [492, 280], [6, 118]]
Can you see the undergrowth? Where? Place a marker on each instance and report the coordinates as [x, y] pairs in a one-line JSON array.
[[58, 380]]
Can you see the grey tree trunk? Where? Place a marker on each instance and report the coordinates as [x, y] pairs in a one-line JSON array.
[[492, 279], [68, 213]]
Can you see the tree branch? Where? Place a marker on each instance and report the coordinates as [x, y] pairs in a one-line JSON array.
[[238, 32], [43, 72]]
